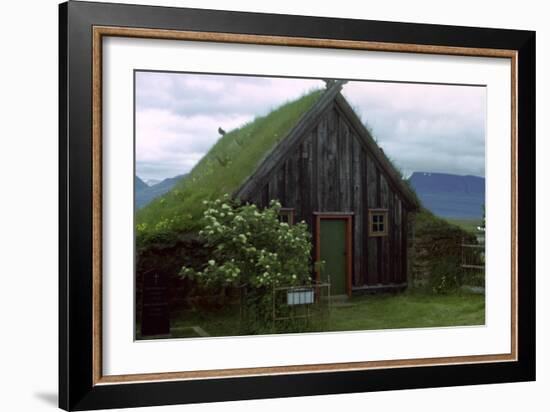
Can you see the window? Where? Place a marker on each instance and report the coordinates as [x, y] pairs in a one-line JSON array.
[[286, 215], [378, 222]]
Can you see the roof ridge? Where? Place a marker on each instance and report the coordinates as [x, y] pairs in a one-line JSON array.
[[279, 151]]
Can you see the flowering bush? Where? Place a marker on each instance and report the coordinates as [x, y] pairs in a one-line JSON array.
[[254, 250], [252, 247]]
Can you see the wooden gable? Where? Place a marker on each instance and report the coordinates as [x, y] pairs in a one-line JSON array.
[[329, 164], [331, 100]]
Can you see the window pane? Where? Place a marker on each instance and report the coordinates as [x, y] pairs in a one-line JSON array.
[[377, 222]]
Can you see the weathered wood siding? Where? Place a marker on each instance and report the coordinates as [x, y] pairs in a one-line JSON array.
[[330, 171]]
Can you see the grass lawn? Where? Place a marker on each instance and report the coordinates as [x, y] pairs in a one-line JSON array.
[[219, 323], [406, 310]]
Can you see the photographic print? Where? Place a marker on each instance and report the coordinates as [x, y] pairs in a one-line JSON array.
[[324, 206], [270, 205]]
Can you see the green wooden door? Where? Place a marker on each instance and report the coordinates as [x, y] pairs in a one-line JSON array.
[[333, 252]]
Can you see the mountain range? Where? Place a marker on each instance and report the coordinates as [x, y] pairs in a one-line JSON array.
[[449, 195], [446, 195], [145, 193]]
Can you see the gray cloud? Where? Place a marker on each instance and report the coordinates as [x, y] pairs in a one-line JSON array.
[[436, 128], [192, 94], [178, 115], [420, 127]]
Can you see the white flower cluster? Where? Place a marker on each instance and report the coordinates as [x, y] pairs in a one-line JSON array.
[[251, 246]]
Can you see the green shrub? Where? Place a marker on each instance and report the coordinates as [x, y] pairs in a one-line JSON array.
[[255, 252], [445, 275], [438, 254]]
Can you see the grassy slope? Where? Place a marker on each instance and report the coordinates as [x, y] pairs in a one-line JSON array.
[[407, 310], [222, 170], [469, 225], [427, 223]]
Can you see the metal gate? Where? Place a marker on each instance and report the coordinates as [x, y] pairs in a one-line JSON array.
[[472, 262], [309, 305]]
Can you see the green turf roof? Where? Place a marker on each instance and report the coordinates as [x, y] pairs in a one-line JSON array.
[[233, 158]]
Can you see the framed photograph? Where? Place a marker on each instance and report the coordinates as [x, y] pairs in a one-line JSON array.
[[256, 206]]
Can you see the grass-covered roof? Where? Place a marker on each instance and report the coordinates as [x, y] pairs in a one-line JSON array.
[[233, 158]]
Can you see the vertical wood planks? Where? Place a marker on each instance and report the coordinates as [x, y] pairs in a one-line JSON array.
[[384, 241], [397, 240], [372, 202], [358, 201], [329, 170]]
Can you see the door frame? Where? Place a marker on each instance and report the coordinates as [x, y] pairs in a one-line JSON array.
[[347, 217]]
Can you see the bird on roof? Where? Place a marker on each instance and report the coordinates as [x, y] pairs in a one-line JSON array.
[[221, 131]]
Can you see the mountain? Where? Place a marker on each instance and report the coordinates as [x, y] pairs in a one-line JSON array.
[[450, 196], [152, 182], [145, 194], [140, 185]]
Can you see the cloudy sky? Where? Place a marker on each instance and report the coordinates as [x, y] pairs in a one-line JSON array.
[[431, 128]]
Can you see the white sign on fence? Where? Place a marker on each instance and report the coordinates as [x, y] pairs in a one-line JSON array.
[[300, 296]]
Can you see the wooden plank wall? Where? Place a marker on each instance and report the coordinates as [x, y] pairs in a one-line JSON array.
[[330, 171]]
